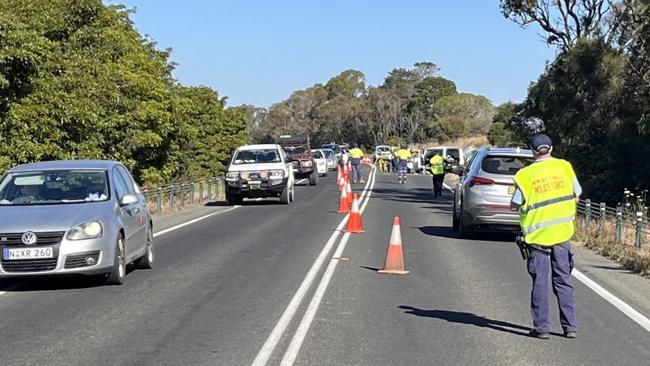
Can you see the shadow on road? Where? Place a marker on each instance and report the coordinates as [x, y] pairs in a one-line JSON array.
[[448, 232], [469, 319]]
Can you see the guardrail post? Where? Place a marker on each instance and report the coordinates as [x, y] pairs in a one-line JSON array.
[[192, 194], [602, 217], [638, 242], [171, 198], [201, 193], [619, 223], [182, 197], [159, 202], [209, 190], [587, 212]]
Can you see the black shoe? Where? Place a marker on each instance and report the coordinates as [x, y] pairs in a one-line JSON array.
[[536, 334], [571, 334]]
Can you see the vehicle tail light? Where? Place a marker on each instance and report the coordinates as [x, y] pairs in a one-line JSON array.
[[476, 181]]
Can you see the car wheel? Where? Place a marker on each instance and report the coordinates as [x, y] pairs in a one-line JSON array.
[[285, 196], [464, 231], [146, 261], [313, 178], [233, 199], [118, 273], [454, 220]]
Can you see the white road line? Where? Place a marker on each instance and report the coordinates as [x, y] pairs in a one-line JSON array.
[[301, 333], [163, 232], [444, 185], [274, 338], [609, 297]]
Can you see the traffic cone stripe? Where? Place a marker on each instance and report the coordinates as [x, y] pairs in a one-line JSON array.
[[354, 221], [395, 255], [344, 203]]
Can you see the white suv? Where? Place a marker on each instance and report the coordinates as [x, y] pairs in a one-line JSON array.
[[260, 171]]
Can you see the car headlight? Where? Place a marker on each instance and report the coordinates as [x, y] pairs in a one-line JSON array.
[[306, 163], [276, 174], [88, 230], [232, 176]]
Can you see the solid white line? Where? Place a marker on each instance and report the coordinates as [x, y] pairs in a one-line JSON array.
[[163, 232], [301, 333], [274, 338], [618, 303], [444, 185]]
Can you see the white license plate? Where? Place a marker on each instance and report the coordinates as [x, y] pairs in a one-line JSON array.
[[27, 253], [254, 182]]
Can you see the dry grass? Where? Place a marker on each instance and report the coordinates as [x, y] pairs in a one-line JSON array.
[[604, 242], [462, 142]]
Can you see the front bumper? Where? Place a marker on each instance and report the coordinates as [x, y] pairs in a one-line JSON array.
[[69, 258], [265, 188]]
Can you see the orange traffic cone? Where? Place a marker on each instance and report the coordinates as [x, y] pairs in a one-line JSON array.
[[395, 256], [344, 203], [348, 187], [349, 167], [354, 221]]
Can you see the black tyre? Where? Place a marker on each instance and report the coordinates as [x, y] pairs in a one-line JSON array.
[[285, 197], [292, 195], [234, 199], [146, 261], [454, 221], [464, 231], [118, 273], [313, 178]]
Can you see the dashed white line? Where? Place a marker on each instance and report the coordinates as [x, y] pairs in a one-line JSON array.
[[444, 185], [289, 313]]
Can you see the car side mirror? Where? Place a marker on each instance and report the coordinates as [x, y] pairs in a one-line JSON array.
[[458, 170], [128, 199]]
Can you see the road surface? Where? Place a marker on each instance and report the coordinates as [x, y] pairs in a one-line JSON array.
[[257, 284]]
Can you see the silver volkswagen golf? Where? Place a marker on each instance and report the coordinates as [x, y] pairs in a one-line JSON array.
[[73, 217]]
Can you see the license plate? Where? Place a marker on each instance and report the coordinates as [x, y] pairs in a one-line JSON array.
[[27, 253], [254, 185], [511, 190]]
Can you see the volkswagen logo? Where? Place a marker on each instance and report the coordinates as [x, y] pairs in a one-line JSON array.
[[29, 238]]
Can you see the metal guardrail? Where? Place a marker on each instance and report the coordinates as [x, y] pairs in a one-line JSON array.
[[178, 196], [623, 219]]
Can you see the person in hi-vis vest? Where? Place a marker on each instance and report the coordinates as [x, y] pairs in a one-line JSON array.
[[356, 154], [438, 171], [545, 196]]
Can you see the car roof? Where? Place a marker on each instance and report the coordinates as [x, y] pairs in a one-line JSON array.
[[443, 147], [509, 151], [66, 165], [259, 147]]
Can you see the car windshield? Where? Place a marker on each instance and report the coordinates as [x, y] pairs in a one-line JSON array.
[[295, 149], [317, 155], [334, 148], [257, 156], [383, 149], [328, 153], [54, 187], [506, 165]]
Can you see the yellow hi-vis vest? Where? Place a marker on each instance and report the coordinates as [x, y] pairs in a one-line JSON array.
[[548, 213], [356, 153], [437, 165], [403, 154]]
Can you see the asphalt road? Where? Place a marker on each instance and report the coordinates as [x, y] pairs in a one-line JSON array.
[[221, 286]]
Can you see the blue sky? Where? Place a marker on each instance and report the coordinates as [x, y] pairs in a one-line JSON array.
[[258, 52]]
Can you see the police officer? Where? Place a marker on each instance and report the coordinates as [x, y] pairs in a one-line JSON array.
[[404, 155], [438, 170], [546, 194], [356, 154]]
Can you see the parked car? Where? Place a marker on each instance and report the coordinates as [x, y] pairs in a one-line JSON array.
[[73, 217], [334, 147], [452, 154], [483, 192], [298, 148], [332, 159], [382, 152], [321, 162], [260, 171]]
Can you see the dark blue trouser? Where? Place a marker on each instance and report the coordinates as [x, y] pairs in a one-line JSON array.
[[356, 173], [552, 266], [402, 167]]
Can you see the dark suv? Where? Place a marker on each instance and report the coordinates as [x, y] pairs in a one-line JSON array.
[[298, 149]]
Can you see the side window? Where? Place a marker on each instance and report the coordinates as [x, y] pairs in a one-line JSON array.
[[120, 185], [126, 178]]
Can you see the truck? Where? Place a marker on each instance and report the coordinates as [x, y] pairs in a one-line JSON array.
[[298, 149]]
